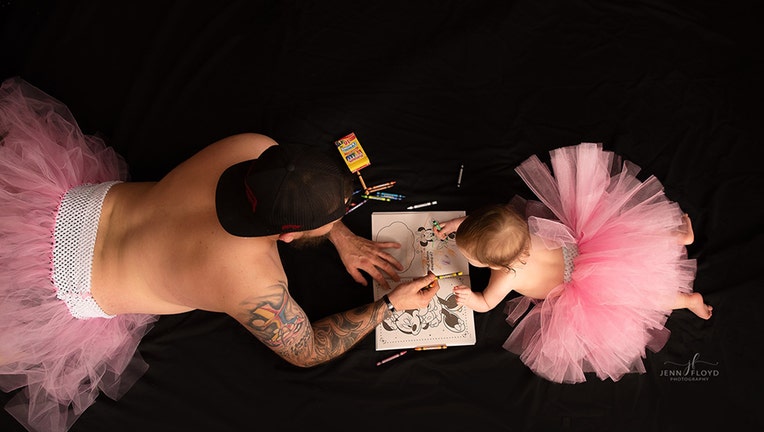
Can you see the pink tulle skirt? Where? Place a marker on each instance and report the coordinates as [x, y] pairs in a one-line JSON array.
[[60, 363], [629, 269]]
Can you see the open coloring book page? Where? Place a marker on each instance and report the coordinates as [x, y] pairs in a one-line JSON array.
[[443, 321]]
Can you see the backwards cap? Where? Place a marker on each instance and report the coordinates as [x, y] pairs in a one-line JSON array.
[[281, 191]]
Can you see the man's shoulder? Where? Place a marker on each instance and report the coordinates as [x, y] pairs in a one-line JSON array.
[[211, 161], [250, 268], [249, 145]]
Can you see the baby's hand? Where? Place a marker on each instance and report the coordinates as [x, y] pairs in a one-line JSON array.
[[443, 229], [464, 295]]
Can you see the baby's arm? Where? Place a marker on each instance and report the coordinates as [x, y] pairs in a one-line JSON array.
[[443, 229], [498, 288]]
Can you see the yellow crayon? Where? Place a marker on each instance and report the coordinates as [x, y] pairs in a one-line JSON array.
[[430, 347], [360, 177], [375, 197], [443, 276]]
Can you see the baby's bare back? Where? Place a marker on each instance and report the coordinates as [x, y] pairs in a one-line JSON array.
[[543, 271]]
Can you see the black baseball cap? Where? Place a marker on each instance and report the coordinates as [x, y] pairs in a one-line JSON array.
[[284, 190]]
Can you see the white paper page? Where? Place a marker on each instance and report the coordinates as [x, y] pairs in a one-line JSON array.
[[442, 322]]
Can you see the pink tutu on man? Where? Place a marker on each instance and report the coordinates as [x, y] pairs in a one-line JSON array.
[[627, 267], [60, 363]]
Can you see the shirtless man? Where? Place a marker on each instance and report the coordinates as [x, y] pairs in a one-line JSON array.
[[90, 261], [143, 239]]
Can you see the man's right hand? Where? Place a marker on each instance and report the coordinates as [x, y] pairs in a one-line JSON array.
[[415, 294]]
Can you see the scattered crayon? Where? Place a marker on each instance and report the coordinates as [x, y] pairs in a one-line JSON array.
[[392, 357], [416, 206]]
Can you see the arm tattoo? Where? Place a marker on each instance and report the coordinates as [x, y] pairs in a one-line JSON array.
[[337, 333], [282, 325], [278, 322]]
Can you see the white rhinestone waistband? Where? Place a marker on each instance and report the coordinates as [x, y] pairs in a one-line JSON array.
[[74, 239], [569, 252]]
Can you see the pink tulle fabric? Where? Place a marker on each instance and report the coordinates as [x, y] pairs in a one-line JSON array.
[[629, 268], [60, 363]]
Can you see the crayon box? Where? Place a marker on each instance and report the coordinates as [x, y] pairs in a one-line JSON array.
[[352, 152]]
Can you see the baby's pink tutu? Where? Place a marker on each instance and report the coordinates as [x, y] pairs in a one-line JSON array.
[[60, 362], [628, 271]]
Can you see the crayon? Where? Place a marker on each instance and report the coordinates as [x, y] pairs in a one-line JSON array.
[[363, 183], [416, 206], [380, 187], [430, 347], [375, 197], [392, 357], [436, 225], [356, 206], [444, 276], [391, 195], [449, 275]]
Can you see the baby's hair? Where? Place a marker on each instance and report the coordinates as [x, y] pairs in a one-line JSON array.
[[495, 235]]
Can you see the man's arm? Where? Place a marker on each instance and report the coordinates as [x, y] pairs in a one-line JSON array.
[[281, 324]]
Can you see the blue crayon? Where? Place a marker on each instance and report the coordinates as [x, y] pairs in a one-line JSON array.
[[391, 195]]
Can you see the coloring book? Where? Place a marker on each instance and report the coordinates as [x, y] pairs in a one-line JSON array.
[[442, 321]]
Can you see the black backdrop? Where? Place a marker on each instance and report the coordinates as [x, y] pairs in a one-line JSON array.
[[671, 85]]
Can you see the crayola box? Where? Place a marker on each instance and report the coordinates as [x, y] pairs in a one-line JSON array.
[[352, 152]]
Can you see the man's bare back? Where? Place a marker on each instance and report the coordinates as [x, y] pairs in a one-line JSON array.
[[161, 250]]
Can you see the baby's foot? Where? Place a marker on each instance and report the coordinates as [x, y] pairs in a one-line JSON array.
[[696, 305], [687, 236]]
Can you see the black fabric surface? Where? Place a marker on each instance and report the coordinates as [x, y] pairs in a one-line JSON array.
[[672, 85]]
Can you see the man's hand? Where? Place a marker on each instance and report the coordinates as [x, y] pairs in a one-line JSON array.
[[358, 253], [415, 294]]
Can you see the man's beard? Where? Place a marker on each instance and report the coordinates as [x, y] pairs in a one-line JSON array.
[[309, 242]]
